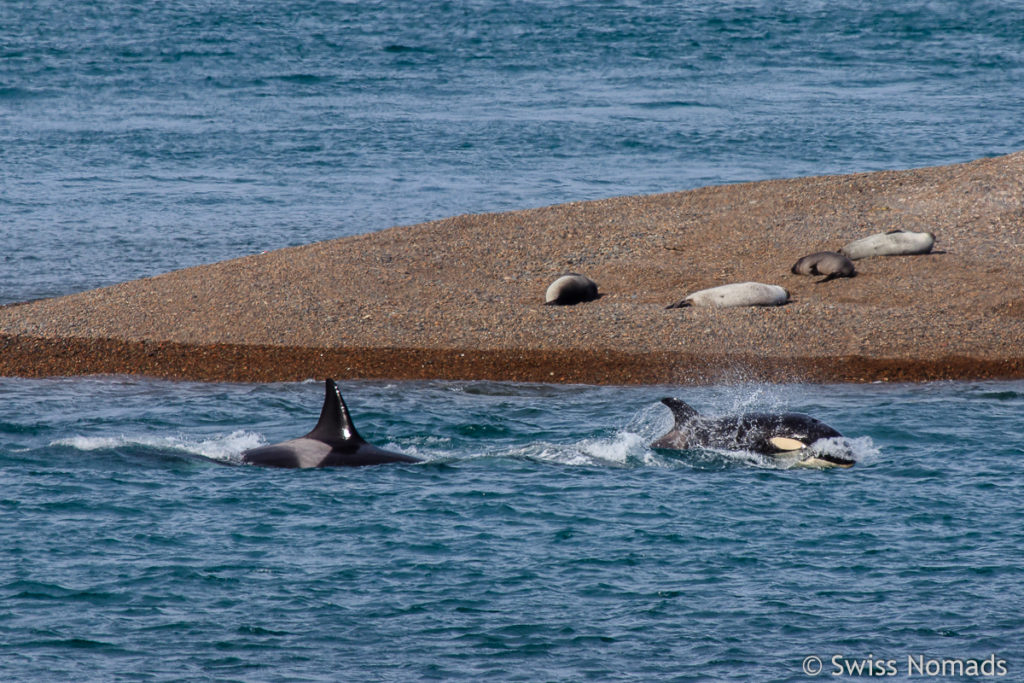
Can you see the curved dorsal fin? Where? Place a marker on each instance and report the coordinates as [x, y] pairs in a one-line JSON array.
[[681, 411], [335, 422]]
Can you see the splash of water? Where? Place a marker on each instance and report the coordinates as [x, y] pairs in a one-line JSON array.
[[223, 448]]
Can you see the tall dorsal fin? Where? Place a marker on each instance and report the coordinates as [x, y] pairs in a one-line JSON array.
[[335, 422], [682, 412]]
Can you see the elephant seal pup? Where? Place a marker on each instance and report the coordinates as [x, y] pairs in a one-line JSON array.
[[892, 243], [737, 294], [569, 289], [831, 264]]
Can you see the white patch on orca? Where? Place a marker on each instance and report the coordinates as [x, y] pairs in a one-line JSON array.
[[785, 444], [859, 450]]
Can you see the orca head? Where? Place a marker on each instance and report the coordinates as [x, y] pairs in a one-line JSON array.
[[796, 432]]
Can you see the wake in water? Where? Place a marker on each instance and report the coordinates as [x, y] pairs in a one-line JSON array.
[[631, 446], [624, 449], [222, 449], [517, 422], [630, 449]]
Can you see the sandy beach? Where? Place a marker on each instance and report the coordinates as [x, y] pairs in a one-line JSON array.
[[462, 298]]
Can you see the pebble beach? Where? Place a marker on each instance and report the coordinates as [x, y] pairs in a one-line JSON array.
[[462, 298]]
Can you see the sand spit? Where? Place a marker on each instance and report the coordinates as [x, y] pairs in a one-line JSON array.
[[462, 298]]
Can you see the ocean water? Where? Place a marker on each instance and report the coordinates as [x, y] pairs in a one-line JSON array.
[[541, 539], [141, 137]]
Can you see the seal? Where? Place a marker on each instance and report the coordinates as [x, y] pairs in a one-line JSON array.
[[334, 442], [892, 243], [831, 264], [737, 294], [811, 441], [570, 289]]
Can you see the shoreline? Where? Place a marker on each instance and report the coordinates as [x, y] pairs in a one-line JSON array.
[[462, 298], [41, 358]]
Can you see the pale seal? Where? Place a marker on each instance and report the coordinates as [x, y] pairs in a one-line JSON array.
[[831, 264], [892, 243], [737, 294], [569, 289]]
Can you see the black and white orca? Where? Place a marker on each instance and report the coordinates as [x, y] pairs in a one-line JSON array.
[[771, 434], [334, 442]]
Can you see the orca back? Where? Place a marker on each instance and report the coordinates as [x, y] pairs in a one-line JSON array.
[[334, 442]]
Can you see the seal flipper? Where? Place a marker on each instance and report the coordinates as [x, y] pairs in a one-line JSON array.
[[681, 411], [335, 422]]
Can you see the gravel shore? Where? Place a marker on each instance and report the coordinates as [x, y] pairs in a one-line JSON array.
[[462, 298]]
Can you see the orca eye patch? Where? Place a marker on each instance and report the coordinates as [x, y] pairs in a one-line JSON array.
[[784, 444]]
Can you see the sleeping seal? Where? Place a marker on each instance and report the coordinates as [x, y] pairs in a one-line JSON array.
[[892, 243], [569, 289], [831, 264], [737, 294], [781, 436]]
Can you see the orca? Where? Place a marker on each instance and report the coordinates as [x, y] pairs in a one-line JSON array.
[[334, 442], [771, 434]]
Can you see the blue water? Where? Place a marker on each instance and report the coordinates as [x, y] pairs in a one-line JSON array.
[[541, 539], [140, 137]]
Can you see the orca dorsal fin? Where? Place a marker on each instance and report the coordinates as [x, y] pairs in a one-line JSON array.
[[681, 411], [335, 421]]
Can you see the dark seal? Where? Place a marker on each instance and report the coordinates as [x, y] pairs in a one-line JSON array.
[[570, 289], [831, 264]]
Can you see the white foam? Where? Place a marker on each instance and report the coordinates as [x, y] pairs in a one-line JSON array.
[[618, 450], [864, 449], [623, 449], [224, 448]]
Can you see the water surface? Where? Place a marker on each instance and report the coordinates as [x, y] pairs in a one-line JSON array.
[[542, 539], [541, 535]]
